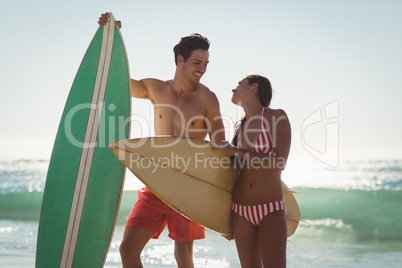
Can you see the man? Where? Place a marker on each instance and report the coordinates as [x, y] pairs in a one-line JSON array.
[[182, 107]]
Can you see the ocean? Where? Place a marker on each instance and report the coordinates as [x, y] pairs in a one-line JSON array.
[[351, 217]]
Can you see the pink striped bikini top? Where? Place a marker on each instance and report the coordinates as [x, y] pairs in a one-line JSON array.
[[263, 144]]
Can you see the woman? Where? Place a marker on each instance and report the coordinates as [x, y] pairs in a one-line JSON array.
[[262, 142]]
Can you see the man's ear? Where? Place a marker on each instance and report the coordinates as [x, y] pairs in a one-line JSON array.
[[180, 59]]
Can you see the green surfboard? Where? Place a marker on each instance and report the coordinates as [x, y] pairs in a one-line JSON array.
[[85, 180]]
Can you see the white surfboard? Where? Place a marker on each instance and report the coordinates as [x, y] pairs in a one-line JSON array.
[[192, 178]]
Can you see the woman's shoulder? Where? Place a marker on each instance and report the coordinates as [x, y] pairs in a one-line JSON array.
[[276, 113]]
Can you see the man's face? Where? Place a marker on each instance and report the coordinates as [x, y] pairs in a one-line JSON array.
[[194, 68]]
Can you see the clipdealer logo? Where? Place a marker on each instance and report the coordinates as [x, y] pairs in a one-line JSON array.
[[177, 162], [323, 123], [201, 161]]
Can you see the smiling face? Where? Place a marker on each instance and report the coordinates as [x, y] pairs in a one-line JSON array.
[[194, 68], [241, 91]]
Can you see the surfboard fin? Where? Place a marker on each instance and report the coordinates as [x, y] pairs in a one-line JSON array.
[[293, 192], [287, 218]]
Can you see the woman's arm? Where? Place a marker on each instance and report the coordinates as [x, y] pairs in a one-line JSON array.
[[281, 133]]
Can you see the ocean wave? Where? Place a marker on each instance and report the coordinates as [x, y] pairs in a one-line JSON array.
[[362, 196], [29, 175], [349, 175], [328, 222], [368, 215], [17, 178], [26, 206]]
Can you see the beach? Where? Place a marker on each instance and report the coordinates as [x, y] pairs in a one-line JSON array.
[[351, 217]]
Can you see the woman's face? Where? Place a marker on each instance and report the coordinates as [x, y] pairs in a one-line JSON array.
[[240, 92]]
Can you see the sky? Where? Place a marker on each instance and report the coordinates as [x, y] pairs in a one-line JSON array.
[[335, 66]]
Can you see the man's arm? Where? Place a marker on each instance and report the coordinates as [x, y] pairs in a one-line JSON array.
[[139, 88], [146, 88], [213, 119]]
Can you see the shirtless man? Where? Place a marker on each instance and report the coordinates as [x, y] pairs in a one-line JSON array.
[[182, 107]]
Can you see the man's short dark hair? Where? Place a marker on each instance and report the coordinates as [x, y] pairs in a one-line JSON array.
[[188, 44]]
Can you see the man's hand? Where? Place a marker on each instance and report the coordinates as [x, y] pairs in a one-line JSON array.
[[104, 18], [225, 146]]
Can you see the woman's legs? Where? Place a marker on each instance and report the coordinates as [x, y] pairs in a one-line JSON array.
[[272, 239], [246, 237], [265, 244]]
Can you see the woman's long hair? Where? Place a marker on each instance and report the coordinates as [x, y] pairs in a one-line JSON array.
[[264, 93]]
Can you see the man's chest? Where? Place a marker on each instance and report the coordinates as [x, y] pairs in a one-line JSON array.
[[183, 108]]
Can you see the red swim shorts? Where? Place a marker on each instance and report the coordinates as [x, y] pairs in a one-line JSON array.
[[150, 213]]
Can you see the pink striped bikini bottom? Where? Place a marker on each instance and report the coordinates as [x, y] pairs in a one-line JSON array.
[[255, 214]]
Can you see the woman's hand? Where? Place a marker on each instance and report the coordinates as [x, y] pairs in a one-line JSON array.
[[229, 237]]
